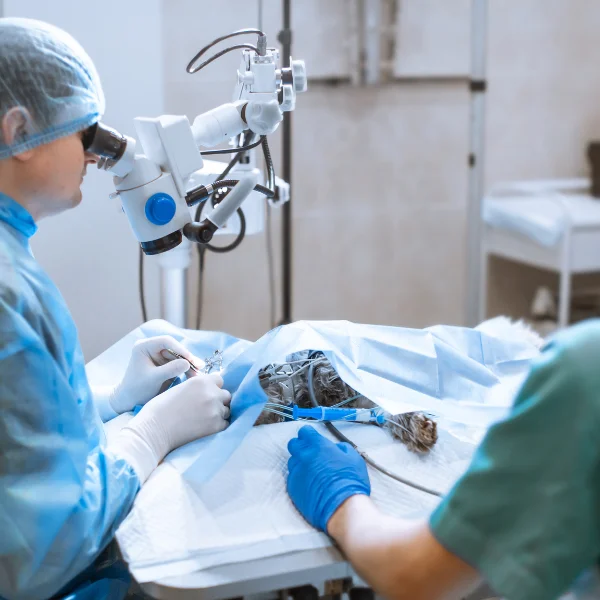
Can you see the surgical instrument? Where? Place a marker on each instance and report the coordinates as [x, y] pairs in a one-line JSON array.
[[193, 367]]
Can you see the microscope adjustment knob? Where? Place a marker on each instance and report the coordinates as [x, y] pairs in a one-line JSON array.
[[287, 98], [160, 208], [299, 74]]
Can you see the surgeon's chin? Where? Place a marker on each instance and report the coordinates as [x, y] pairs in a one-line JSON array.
[[76, 199]]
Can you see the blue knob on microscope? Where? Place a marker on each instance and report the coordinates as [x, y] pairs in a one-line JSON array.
[[160, 208]]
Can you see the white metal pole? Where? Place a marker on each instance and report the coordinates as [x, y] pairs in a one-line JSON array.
[[479, 17], [173, 296], [174, 283]]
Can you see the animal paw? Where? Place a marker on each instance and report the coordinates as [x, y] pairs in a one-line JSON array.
[[415, 430]]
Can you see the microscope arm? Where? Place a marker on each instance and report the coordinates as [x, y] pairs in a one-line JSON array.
[[228, 120]]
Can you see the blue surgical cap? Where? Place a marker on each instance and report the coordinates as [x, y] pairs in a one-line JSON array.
[[44, 70]]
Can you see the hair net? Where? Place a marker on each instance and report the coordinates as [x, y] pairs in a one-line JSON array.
[[44, 70]]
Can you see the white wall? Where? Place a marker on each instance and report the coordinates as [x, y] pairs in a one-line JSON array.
[[90, 252]]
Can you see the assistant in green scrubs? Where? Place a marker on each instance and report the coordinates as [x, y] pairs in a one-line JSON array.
[[525, 517], [527, 513]]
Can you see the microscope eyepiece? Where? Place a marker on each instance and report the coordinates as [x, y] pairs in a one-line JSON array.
[[104, 141]]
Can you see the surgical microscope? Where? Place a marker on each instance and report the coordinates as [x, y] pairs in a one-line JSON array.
[[162, 175]]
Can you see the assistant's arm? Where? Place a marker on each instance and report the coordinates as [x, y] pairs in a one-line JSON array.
[[399, 559]]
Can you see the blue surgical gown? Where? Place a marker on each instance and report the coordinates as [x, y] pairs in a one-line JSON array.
[[526, 514], [62, 492]]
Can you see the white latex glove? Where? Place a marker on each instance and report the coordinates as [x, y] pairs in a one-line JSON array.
[[149, 367], [193, 409]]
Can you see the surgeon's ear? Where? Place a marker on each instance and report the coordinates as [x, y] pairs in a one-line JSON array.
[[16, 125]]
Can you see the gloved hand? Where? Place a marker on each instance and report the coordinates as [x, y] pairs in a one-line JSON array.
[[196, 408], [323, 475], [149, 367]]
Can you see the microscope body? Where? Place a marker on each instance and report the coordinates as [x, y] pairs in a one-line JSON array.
[[154, 184], [161, 176]]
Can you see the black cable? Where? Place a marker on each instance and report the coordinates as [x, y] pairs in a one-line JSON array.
[[198, 211], [200, 290], [201, 249], [232, 150], [201, 193], [238, 240], [245, 137], [229, 183], [234, 161], [313, 400], [228, 168], [271, 267], [269, 233], [141, 286], [340, 436], [193, 69], [269, 163]]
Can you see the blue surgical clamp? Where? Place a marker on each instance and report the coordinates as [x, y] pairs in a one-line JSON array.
[[323, 413]]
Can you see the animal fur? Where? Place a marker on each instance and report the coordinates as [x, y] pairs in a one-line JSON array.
[[417, 431]]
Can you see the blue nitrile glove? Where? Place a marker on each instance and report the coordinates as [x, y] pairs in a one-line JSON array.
[[323, 475]]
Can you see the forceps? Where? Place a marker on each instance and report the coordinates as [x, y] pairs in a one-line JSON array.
[[193, 367], [176, 380]]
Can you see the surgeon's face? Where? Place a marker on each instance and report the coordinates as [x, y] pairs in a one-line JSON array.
[[58, 170]]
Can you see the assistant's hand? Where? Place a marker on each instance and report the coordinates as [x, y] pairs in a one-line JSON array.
[[323, 475], [149, 367]]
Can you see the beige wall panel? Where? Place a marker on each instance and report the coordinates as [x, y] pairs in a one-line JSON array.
[[433, 38]]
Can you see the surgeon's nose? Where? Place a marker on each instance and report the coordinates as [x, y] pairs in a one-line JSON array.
[[90, 158]]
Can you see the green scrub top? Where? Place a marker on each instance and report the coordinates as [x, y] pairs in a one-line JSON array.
[[526, 514]]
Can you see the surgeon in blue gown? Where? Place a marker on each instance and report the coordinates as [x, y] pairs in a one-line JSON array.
[[63, 489]]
